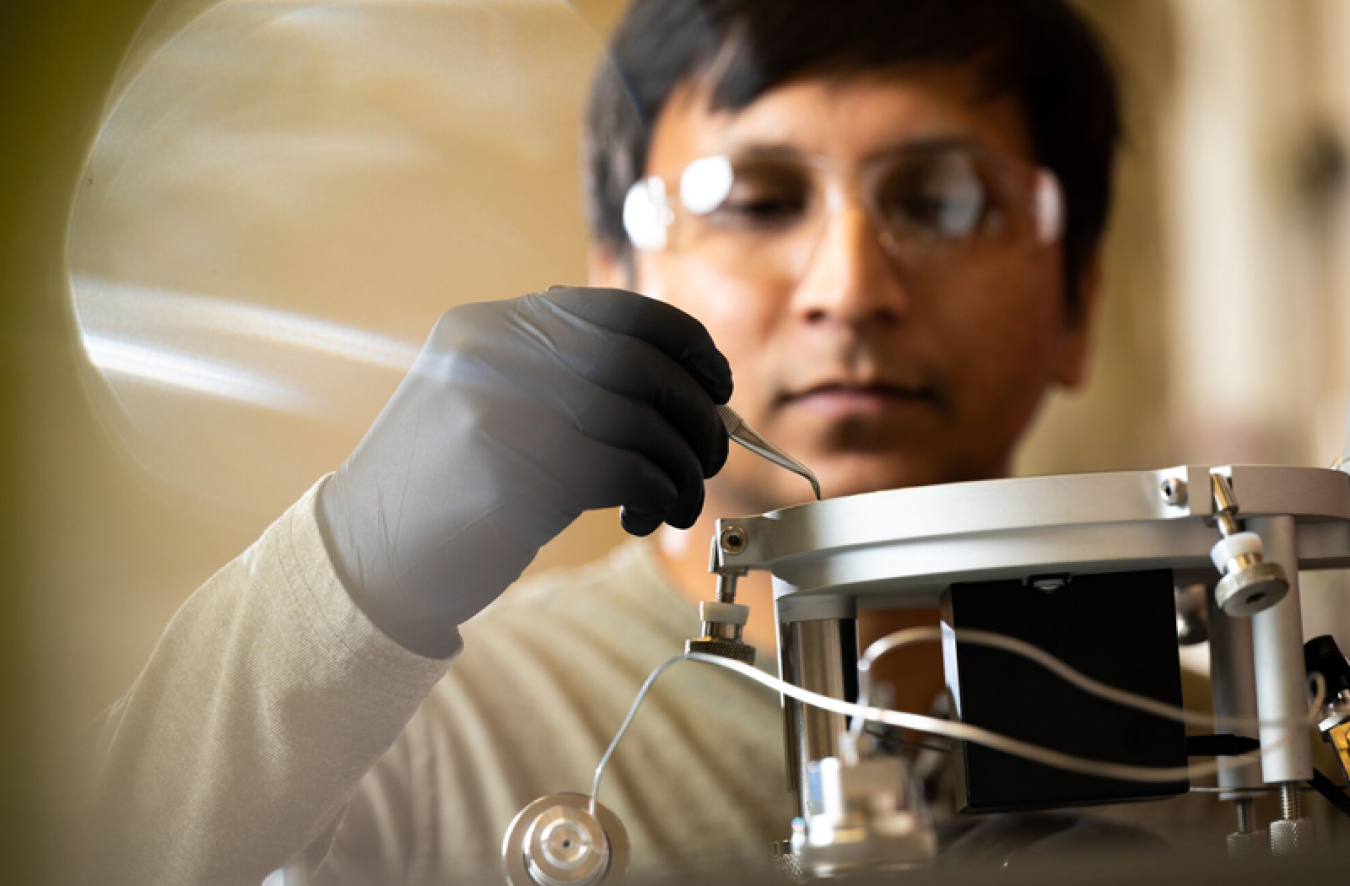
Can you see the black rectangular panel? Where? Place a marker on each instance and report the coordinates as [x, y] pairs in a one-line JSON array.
[[1119, 629]]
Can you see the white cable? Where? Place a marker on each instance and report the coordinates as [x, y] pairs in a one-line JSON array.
[[894, 641], [960, 731], [623, 727], [1265, 788]]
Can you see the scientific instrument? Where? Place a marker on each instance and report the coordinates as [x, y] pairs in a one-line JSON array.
[[1059, 636]]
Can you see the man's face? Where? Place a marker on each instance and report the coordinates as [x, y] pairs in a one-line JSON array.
[[873, 376]]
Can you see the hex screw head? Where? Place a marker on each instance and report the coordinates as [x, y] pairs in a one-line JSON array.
[[1173, 491], [732, 540]]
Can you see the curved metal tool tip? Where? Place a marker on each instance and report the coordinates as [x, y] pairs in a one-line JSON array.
[[757, 443]]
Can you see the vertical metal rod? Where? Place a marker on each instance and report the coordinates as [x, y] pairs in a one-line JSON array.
[[1290, 806], [822, 656], [726, 587], [1244, 815], [1277, 647], [1225, 505], [1233, 685]]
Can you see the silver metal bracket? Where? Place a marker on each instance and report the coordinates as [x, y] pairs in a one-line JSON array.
[[723, 618]]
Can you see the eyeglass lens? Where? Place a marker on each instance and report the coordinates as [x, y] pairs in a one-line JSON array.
[[926, 206]]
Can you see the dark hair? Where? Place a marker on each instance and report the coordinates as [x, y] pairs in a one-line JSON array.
[[1040, 51]]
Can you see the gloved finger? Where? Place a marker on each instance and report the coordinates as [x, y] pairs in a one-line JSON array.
[[636, 426], [670, 330], [639, 524], [629, 480], [633, 368], [547, 446], [552, 413]]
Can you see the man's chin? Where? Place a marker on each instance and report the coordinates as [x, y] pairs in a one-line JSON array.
[[855, 479], [757, 487]]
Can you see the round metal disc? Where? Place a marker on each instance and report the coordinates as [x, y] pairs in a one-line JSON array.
[[1251, 590], [555, 841]]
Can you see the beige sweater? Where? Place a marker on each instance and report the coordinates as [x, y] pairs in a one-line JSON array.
[[274, 720]]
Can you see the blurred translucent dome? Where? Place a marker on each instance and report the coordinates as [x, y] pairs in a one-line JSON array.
[[283, 198]]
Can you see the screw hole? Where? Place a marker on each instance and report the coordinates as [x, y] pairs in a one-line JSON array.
[[733, 540], [1256, 598]]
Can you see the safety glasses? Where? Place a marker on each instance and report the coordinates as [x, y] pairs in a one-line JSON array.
[[763, 212]]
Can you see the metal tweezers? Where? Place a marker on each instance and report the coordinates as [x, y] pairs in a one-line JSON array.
[[753, 440]]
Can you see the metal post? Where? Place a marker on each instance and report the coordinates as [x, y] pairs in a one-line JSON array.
[[1233, 687], [1281, 689], [1277, 647], [820, 655]]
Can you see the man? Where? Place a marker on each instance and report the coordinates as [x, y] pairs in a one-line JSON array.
[[880, 219]]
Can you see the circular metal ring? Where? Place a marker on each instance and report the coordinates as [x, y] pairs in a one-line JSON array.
[[1252, 589], [732, 539], [555, 841]]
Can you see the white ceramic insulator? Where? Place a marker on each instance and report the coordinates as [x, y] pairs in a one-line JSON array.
[[1234, 546], [724, 613]]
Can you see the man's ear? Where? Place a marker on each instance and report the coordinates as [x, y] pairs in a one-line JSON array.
[[1077, 344], [608, 270]]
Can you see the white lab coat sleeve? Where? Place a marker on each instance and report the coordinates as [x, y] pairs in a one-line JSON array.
[[268, 698]]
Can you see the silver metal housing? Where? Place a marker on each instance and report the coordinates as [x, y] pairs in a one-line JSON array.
[[904, 547], [907, 545]]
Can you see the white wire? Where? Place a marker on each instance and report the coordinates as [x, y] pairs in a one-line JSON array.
[[1240, 789], [623, 727], [960, 731], [894, 641]]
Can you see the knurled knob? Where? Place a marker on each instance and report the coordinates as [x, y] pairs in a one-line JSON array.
[[1252, 844], [788, 863], [1291, 836], [742, 652], [1248, 591]]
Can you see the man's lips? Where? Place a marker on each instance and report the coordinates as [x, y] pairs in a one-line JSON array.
[[850, 399]]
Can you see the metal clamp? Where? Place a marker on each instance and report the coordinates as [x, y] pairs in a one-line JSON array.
[[724, 619]]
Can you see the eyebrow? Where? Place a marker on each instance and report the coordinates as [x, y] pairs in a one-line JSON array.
[[777, 150]]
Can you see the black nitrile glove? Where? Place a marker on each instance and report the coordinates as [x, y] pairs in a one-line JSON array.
[[516, 417]]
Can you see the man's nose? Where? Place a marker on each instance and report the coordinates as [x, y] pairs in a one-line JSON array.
[[850, 278]]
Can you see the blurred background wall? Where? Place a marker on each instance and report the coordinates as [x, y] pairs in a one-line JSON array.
[[230, 225]]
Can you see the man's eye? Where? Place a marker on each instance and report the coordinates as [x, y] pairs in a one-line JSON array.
[[942, 216], [937, 197], [938, 212], [762, 210]]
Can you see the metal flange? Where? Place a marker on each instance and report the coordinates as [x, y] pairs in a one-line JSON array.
[[556, 841], [1252, 589]]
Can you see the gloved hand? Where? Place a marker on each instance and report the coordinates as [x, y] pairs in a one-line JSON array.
[[516, 417]]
